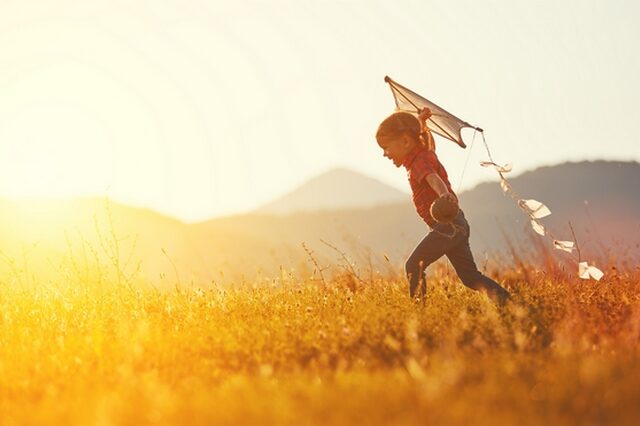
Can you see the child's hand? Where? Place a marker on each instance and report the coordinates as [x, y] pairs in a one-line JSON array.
[[449, 197], [424, 115]]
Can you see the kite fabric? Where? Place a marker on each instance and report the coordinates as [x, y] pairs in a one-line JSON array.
[[441, 122]]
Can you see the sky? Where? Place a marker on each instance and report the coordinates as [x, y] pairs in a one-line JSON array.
[[200, 109]]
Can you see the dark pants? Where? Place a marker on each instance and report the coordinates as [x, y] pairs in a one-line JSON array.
[[451, 240]]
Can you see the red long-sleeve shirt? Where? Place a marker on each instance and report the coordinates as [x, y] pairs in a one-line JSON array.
[[420, 163]]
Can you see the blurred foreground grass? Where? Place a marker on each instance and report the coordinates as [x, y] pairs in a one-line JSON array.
[[290, 352]]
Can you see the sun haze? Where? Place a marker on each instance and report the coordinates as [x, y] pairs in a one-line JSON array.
[[202, 108]]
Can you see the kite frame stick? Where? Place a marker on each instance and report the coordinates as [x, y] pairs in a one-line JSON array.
[[446, 134], [395, 88], [392, 83]]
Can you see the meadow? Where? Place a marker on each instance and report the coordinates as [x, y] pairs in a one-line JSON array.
[[98, 347]]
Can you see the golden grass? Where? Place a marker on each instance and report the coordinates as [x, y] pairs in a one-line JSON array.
[[290, 352]]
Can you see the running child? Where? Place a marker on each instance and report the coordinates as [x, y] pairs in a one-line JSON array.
[[407, 142]]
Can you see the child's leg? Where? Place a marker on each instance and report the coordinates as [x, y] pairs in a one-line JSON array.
[[462, 260], [430, 249]]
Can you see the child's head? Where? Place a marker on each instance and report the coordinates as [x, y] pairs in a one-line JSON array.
[[397, 135]]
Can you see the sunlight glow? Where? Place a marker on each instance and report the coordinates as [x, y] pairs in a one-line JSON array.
[[55, 151]]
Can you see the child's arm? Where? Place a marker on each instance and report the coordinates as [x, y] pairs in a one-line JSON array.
[[425, 133], [440, 187]]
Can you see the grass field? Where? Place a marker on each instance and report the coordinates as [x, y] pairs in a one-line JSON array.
[[92, 351]]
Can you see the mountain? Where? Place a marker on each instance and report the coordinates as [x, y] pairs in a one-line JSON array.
[[334, 190], [78, 238], [600, 199]]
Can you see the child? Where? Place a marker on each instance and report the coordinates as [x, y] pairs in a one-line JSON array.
[[407, 142]]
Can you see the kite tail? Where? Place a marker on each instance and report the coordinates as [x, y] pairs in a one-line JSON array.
[[536, 211]]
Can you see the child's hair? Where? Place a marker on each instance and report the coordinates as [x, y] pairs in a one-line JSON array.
[[401, 122], [397, 124]]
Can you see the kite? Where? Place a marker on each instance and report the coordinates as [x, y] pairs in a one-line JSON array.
[[449, 127], [441, 122]]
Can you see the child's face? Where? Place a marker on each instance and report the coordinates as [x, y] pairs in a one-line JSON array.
[[396, 148]]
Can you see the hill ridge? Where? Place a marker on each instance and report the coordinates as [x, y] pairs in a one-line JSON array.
[[336, 189]]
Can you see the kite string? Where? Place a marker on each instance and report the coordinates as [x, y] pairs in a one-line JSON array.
[[486, 147], [464, 169]]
